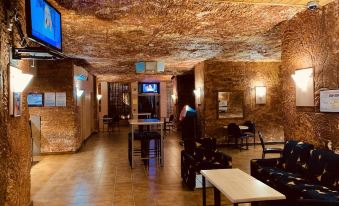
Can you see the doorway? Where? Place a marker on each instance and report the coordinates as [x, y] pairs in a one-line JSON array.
[[149, 104]]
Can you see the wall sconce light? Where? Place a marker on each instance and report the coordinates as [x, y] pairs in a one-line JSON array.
[[79, 92], [197, 94], [303, 79], [18, 83], [19, 80], [260, 95], [174, 98], [99, 96]]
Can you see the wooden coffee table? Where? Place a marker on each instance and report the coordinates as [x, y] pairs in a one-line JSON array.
[[237, 186]]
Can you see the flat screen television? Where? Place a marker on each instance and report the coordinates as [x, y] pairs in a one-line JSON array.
[[329, 100], [44, 24], [35, 99], [147, 88]]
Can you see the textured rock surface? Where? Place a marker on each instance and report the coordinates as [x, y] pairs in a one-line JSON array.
[[59, 125], [311, 39], [112, 35], [244, 76], [131, 78], [15, 146]]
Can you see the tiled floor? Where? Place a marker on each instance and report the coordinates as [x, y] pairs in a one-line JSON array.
[[100, 175]]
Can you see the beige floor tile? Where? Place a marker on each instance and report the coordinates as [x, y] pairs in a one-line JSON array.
[[100, 175]]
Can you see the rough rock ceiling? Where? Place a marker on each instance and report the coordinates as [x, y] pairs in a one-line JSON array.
[[111, 35]]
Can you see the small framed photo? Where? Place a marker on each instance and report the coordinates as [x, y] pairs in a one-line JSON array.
[[17, 104]]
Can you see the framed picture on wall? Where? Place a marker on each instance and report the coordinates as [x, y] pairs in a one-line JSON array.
[[17, 104], [230, 104], [49, 100], [60, 99]]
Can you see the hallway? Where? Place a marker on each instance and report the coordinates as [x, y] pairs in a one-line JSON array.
[[100, 175]]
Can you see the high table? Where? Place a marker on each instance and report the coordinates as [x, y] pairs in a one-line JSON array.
[[241, 127], [109, 119], [148, 115], [237, 186], [148, 122]]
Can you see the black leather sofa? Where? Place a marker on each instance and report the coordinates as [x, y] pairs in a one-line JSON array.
[[201, 154], [307, 176]]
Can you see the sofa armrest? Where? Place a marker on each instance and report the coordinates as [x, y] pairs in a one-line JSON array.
[[207, 143], [224, 159], [271, 162], [257, 164], [187, 156]]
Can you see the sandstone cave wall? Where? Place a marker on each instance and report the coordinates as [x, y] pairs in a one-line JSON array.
[[311, 39], [59, 125], [244, 76], [15, 146]]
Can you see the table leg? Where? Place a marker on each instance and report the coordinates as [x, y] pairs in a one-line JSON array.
[[132, 146], [217, 200], [162, 145], [203, 191], [247, 143]]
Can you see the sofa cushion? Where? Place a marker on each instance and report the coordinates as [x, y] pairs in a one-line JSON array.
[[296, 160], [322, 168], [281, 177], [288, 147], [320, 193]]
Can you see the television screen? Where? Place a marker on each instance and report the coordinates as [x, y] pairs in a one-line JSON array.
[[35, 100], [329, 101], [44, 24], [149, 88]]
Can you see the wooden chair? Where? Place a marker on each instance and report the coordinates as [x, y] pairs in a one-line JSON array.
[[105, 121], [233, 131], [268, 150], [250, 132], [170, 123]]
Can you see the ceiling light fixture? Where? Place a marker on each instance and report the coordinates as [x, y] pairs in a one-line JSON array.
[[312, 5]]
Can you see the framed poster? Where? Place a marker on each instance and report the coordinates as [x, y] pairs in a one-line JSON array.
[[49, 99], [17, 104], [140, 67], [329, 101], [60, 99], [151, 67], [230, 104]]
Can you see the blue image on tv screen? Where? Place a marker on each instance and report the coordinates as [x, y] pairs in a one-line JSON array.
[[46, 23], [35, 99], [149, 88]]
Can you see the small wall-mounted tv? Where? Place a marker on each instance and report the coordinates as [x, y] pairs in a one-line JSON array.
[[329, 100], [35, 99], [44, 24], [149, 88]]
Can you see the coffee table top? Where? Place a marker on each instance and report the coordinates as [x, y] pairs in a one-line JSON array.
[[239, 187]]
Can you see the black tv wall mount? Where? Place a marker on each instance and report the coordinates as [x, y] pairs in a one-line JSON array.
[[38, 53], [26, 52]]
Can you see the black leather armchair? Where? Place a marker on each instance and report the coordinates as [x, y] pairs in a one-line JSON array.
[[199, 155]]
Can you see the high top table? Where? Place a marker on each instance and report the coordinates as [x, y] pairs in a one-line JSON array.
[[148, 122], [241, 127], [148, 115], [237, 186], [108, 119]]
